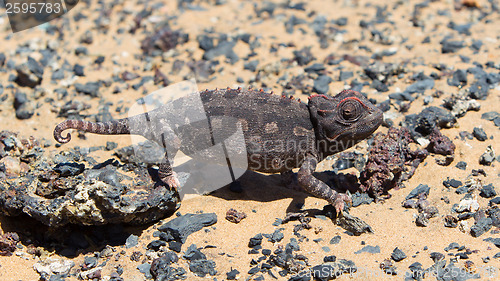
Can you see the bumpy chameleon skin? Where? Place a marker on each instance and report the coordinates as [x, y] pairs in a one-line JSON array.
[[279, 133]]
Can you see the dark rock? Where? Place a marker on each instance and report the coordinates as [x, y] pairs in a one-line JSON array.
[[303, 56], [193, 253], [234, 216], [78, 70], [451, 46], [69, 169], [162, 40], [398, 255], [332, 270], [251, 65], [487, 157], [344, 75], [450, 221], [359, 198], [23, 106], [420, 86], [424, 123], [8, 242], [452, 183], [231, 275], [488, 191], [202, 267], [479, 134], [155, 245], [161, 270], [223, 48], [335, 239], [29, 74], [81, 51], [329, 258], [145, 269], [369, 249], [459, 78], [131, 241], [321, 84], [255, 241], [420, 189], [480, 227], [89, 263], [277, 236], [181, 227], [175, 246], [205, 42], [490, 116], [461, 165], [89, 88], [495, 201]]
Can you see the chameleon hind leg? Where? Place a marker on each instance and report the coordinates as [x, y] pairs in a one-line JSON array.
[[318, 188]]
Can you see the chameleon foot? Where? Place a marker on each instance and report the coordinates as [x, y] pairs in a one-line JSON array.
[[172, 181], [340, 201]]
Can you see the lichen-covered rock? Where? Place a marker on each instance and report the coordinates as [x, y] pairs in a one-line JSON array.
[[390, 162], [70, 187]]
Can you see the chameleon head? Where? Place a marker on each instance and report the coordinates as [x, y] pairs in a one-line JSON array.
[[344, 120]]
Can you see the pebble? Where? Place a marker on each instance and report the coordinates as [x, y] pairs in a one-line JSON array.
[[369, 249], [479, 134], [488, 191], [132, 241], [462, 165], [487, 157], [181, 227], [449, 46], [398, 255], [321, 84]]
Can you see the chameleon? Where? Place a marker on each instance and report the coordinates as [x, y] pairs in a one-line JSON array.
[[280, 133]]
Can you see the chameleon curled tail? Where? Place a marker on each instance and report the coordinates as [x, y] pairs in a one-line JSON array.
[[115, 127]]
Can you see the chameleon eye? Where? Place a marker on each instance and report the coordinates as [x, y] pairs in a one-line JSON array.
[[350, 110]]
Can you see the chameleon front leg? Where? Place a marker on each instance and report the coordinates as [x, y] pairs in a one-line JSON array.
[[318, 188], [167, 175]]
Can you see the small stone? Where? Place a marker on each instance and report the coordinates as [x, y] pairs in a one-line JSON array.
[[89, 88], [155, 245], [255, 241], [145, 269], [480, 227], [450, 221], [479, 134], [398, 255], [131, 241], [369, 249], [12, 166], [488, 191], [335, 239], [234, 216], [488, 156], [78, 70], [181, 227], [193, 253], [461, 165], [321, 84], [202, 267], [231, 275], [175, 246], [452, 183], [420, 189], [490, 116], [451, 46]]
